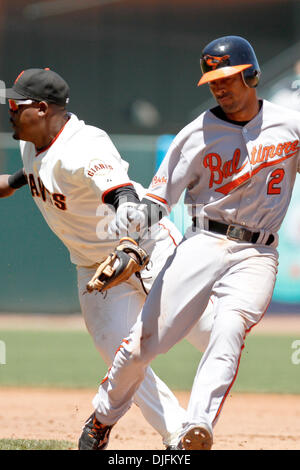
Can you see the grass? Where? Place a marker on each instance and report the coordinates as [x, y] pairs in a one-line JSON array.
[[265, 366], [68, 359], [50, 358], [25, 444]]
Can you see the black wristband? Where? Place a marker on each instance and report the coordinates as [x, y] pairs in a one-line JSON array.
[[17, 180], [122, 194]]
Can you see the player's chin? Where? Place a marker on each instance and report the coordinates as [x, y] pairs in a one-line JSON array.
[[16, 136], [228, 106], [16, 133]]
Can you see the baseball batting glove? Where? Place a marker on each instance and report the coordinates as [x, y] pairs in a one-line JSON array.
[[127, 259], [130, 219]]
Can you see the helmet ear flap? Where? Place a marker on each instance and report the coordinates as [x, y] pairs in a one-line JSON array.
[[251, 81]]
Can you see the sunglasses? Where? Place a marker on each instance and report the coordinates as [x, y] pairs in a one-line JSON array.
[[14, 104]]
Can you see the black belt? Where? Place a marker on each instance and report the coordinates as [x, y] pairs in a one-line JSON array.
[[234, 232]]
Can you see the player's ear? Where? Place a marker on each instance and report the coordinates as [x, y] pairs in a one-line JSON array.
[[43, 108]]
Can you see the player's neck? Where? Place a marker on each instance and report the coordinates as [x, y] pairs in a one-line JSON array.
[[45, 139], [247, 112]]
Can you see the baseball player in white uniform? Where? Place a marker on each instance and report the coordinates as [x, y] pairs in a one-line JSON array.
[[74, 172], [238, 163]]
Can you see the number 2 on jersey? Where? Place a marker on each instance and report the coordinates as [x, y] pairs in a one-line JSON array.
[[276, 178]]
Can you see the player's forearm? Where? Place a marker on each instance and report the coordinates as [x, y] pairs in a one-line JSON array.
[[10, 183], [5, 189]]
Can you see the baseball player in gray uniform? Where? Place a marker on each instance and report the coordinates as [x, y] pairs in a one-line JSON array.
[[238, 163], [75, 174]]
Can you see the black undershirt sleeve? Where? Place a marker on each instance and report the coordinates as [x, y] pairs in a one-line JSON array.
[[18, 179], [120, 195]]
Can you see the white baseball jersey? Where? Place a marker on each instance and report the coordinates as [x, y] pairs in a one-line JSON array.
[[69, 180], [234, 174]]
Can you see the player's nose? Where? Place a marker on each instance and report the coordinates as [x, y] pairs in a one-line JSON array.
[[219, 84]]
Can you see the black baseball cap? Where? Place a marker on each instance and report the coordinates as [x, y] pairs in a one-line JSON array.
[[39, 85]]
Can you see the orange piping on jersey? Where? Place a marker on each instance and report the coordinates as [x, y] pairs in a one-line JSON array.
[[113, 188], [169, 232], [234, 184], [239, 360], [160, 199], [52, 141]]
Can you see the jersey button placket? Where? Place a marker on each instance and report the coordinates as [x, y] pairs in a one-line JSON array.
[[248, 146], [247, 139]]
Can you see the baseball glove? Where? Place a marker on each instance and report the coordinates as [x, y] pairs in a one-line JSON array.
[[128, 258]]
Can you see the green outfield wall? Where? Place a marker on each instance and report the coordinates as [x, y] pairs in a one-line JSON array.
[[36, 274]]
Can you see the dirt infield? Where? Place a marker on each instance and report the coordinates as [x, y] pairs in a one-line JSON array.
[[270, 324], [248, 421]]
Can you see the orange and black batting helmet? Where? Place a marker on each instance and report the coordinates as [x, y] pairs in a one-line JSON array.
[[227, 56]]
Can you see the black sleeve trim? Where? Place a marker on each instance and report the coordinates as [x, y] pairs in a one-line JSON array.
[[120, 195], [18, 179]]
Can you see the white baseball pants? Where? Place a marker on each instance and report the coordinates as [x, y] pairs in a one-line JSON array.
[[109, 318], [241, 278]]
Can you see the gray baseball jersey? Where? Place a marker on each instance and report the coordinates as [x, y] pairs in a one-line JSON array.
[[241, 175]]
